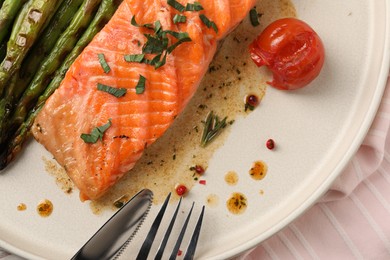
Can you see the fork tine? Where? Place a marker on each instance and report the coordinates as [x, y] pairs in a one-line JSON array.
[[167, 233], [145, 249], [194, 239], [181, 235]]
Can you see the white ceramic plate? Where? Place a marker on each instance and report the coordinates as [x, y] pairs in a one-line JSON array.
[[317, 130]]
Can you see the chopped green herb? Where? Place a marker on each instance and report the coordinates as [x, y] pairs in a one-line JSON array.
[[178, 18], [140, 58], [208, 22], [159, 63], [177, 35], [103, 63], [183, 38], [140, 88], [158, 44], [212, 128], [135, 58], [157, 27], [154, 45], [117, 92], [196, 6], [96, 133], [134, 23], [178, 6], [254, 17]]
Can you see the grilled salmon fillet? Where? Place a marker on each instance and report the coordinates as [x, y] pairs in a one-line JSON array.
[[135, 120]]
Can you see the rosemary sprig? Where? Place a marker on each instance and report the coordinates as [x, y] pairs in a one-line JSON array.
[[212, 128]]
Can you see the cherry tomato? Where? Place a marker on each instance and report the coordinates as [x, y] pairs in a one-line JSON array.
[[293, 52]]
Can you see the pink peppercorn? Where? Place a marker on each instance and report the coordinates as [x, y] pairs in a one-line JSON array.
[[181, 190], [270, 144], [199, 169]]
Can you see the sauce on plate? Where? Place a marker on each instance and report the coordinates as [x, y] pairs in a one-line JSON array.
[[237, 203], [45, 208], [21, 207], [231, 77], [258, 171], [231, 178]]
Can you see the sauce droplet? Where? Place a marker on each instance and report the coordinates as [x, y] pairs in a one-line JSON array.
[[237, 203], [231, 178], [212, 200], [22, 207], [45, 208], [258, 171]]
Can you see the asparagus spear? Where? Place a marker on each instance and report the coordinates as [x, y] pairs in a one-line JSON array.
[[51, 63], [3, 50], [105, 12], [39, 50], [63, 46], [48, 39], [15, 88], [30, 65], [9, 10], [34, 16], [27, 27]]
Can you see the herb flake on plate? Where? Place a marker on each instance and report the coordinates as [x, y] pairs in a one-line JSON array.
[[254, 17]]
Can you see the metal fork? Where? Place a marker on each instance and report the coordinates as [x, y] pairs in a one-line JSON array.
[[190, 252]]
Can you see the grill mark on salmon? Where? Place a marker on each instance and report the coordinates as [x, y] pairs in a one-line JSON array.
[[77, 106]]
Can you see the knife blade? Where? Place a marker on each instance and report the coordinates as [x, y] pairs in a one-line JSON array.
[[118, 231]]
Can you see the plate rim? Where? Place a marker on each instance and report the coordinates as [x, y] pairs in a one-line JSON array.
[[384, 77], [311, 200]]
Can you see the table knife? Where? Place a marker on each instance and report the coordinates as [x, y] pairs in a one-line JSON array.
[[118, 231]]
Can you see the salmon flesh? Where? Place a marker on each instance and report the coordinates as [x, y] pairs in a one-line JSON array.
[[127, 124]]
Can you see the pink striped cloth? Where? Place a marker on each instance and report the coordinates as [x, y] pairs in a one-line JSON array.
[[352, 221]]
